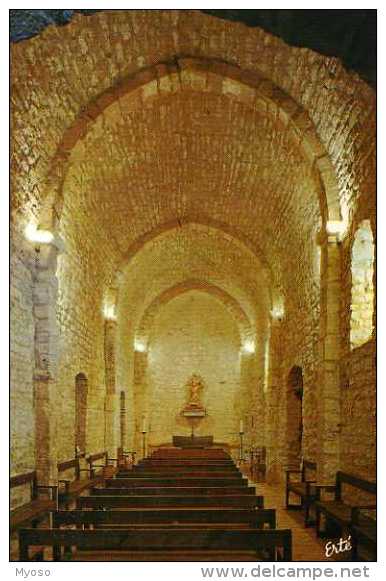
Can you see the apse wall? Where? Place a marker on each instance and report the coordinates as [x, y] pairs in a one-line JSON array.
[[193, 333]]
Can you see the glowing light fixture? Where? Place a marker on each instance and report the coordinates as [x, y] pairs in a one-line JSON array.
[[249, 346], [277, 312], [33, 234], [109, 312], [139, 346], [336, 228]]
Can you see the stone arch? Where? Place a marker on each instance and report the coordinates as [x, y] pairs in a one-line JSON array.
[[362, 285], [273, 285], [294, 397], [235, 309], [198, 220], [81, 393], [205, 75], [142, 355]]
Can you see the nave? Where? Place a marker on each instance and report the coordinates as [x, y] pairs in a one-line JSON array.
[[176, 505], [193, 256]]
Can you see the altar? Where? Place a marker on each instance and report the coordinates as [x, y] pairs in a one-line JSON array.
[[192, 441]]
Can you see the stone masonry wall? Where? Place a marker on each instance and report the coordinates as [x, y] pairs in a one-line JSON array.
[[22, 360], [358, 372], [107, 169], [84, 272]]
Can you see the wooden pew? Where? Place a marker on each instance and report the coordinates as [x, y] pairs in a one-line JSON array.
[[155, 482], [337, 512], [191, 502], [302, 488], [185, 474], [72, 488], [262, 518], [364, 535], [176, 490], [186, 462], [190, 454], [104, 463], [37, 508], [256, 458], [190, 470], [257, 543]]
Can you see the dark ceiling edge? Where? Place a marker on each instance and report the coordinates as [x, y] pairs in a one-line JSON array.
[[349, 35]]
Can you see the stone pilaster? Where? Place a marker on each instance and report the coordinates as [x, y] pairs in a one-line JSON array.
[[111, 407], [46, 428], [111, 416], [123, 421], [329, 388], [45, 293], [272, 441]]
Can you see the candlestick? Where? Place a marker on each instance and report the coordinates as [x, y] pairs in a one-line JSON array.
[[241, 426], [241, 459]]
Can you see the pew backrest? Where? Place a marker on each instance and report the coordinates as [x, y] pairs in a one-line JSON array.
[[308, 466], [354, 481], [127, 501], [68, 464], [26, 478], [272, 541], [261, 518]]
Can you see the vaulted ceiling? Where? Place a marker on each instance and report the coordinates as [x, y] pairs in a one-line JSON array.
[[173, 148]]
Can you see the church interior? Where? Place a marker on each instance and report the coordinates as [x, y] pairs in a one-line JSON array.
[[193, 216]]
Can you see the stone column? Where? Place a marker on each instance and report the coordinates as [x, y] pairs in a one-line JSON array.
[[111, 407], [46, 361], [329, 385], [141, 400], [123, 421], [274, 446], [250, 402], [111, 436]]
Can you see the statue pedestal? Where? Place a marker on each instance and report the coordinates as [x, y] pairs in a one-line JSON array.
[[194, 412]]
